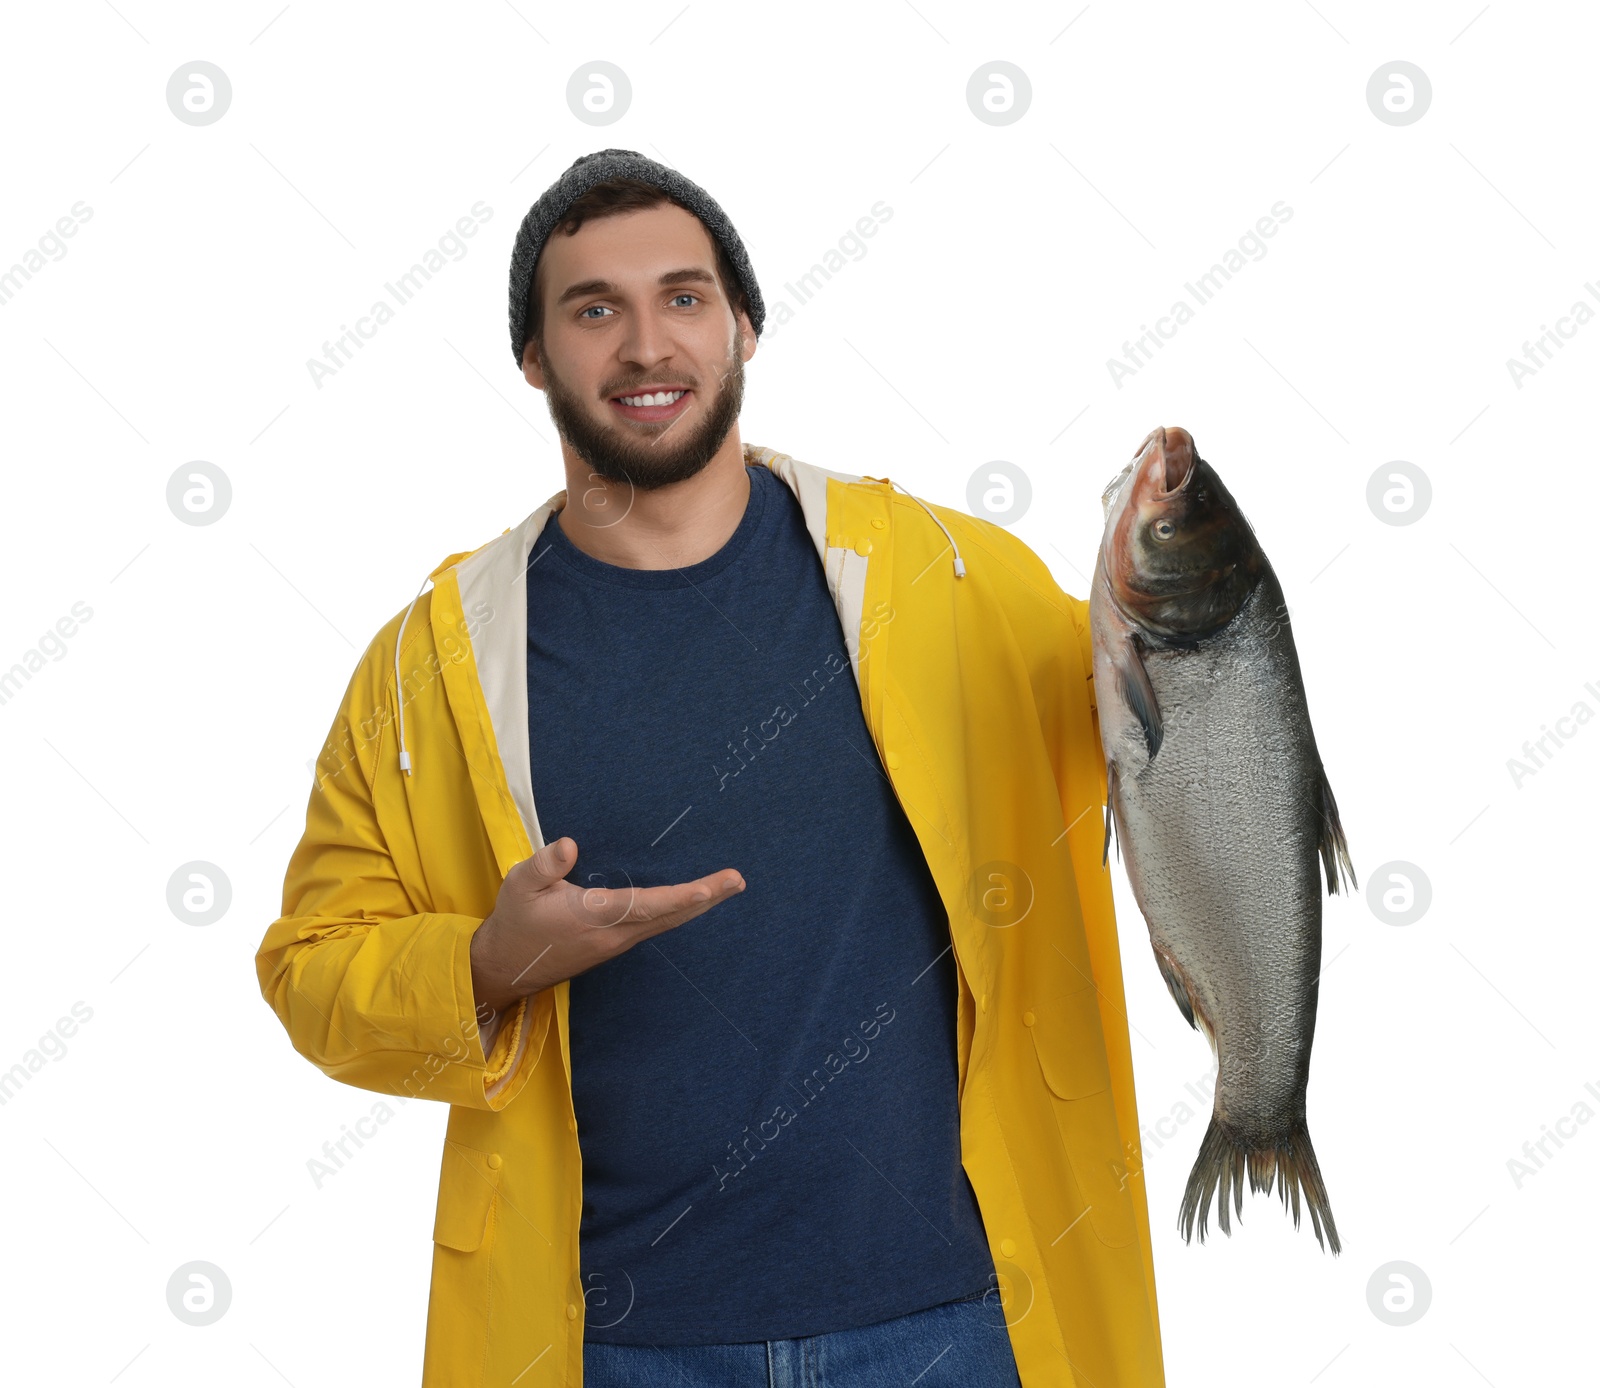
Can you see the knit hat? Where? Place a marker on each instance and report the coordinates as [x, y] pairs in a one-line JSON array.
[[586, 171]]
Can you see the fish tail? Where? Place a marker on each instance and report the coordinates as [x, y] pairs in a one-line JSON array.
[[1226, 1159]]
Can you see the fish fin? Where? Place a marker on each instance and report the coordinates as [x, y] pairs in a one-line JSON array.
[[1133, 680], [1111, 800], [1176, 986], [1330, 841], [1226, 1158]]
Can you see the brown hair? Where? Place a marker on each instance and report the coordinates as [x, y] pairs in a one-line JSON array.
[[610, 199]]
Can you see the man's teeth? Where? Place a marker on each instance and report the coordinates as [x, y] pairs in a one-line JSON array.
[[661, 397]]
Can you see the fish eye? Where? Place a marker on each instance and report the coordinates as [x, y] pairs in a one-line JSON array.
[[1163, 529]]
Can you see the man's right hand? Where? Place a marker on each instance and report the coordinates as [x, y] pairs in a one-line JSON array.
[[544, 929]]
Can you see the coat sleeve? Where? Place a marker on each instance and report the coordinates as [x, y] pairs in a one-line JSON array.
[[1056, 642], [1053, 634], [372, 991], [1079, 611]]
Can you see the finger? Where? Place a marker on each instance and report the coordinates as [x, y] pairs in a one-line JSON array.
[[723, 883], [660, 907], [551, 863]]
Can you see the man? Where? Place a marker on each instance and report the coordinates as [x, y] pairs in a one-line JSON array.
[[723, 844]]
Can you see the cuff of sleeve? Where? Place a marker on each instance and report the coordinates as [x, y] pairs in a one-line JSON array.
[[501, 1055]]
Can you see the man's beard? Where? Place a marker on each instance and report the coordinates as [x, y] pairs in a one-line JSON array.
[[621, 452]]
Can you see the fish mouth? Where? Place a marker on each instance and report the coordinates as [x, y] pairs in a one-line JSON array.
[[1166, 461], [1162, 464]]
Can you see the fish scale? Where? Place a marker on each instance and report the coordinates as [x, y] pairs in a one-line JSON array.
[[1220, 808], [1258, 879]]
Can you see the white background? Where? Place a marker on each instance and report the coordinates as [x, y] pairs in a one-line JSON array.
[[179, 721]]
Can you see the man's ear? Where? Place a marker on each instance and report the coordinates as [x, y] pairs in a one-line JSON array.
[[747, 335], [532, 367]]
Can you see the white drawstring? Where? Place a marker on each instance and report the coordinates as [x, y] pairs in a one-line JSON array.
[[399, 689], [961, 569]]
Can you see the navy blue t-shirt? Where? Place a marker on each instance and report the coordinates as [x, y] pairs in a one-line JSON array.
[[766, 1095]]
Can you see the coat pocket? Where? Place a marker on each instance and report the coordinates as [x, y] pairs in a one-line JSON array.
[[1071, 1051], [468, 1181]]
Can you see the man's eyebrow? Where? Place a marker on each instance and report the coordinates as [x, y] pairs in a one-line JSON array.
[[584, 288]]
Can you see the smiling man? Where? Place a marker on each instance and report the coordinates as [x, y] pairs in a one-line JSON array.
[[722, 844]]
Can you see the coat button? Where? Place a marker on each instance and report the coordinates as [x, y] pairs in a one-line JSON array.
[[893, 759], [863, 547], [572, 1125], [879, 524], [494, 1161], [1028, 1019], [1008, 1248], [983, 1003], [572, 1312]]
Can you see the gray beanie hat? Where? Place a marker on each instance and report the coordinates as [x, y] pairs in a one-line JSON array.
[[546, 214]]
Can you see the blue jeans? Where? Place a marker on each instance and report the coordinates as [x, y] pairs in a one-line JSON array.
[[960, 1344]]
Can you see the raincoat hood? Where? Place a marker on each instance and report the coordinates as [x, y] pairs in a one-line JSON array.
[[526, 533]]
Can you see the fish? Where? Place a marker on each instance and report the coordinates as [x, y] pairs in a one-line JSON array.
[[1220, 808]]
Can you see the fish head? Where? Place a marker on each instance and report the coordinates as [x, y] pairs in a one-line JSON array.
[[1180, 557]]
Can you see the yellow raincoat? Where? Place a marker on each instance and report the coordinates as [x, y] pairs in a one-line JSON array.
[[978, 693]]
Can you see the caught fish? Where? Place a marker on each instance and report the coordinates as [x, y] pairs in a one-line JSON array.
[[1220, 806]]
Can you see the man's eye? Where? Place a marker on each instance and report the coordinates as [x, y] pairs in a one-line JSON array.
[[685, 295], [594, 306]]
